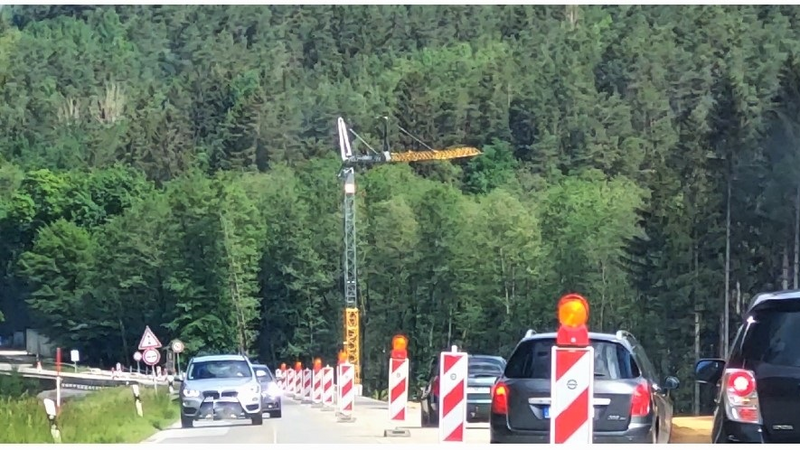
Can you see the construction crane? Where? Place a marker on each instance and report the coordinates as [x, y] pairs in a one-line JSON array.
[[352, 328]]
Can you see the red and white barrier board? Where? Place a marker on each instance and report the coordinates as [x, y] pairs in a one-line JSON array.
[[316, 390], [289, 381], [398, 389], [572, 391], [307, 384], [327, 386], [345, 398], [453, 396], [298, 384]]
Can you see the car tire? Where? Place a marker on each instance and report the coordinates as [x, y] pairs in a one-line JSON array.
[[257, 419], [186, 422], [275, 415]]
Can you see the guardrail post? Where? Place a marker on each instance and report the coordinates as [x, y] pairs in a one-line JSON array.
[[50, 409], [137, 400]]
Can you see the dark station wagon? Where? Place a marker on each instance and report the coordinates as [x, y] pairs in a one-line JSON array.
[[631, 405]]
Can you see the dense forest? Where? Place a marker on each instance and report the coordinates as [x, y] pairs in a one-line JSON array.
[[176, 166]]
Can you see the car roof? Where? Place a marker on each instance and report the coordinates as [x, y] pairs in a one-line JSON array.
[[592, 337], [499, 359], [219, 358], [764, 297]]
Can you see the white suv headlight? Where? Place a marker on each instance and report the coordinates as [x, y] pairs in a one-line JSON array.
[[191, 393], [250, 389]]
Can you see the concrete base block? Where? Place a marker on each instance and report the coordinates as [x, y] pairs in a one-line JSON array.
[[327, 408], [397, 432], [316, 405], [341, 418]]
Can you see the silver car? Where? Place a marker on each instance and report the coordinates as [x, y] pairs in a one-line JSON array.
[[220, 387]]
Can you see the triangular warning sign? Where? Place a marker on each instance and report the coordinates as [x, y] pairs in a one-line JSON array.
[[149, 340]]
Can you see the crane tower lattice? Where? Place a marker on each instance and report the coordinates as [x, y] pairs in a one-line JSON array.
[[352, 328]]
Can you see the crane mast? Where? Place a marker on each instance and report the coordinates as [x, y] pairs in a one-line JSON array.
[[352, 337], [352, 327]]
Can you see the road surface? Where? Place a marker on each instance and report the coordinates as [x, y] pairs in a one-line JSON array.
[[302, 424]]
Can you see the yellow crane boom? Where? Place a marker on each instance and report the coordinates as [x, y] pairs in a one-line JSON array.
[[352, 326]]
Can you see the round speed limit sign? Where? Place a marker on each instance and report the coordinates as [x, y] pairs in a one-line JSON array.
[[137, 356], [177, 346]]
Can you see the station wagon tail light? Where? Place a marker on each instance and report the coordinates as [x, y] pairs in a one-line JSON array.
[[742, 397], [640, 401], [500, 398]]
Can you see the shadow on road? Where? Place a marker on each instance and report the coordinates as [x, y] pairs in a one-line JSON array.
[[218, 424]]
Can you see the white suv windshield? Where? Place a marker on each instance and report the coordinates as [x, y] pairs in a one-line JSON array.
[[204, 370]]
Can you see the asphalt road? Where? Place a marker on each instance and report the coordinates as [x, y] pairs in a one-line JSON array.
[[302, 424]]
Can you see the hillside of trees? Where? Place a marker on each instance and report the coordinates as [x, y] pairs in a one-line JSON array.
[[176, 166]]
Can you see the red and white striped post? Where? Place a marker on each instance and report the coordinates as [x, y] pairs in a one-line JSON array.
[[398, 390], [572, 375], [297, 389], [316, 390], [289, 384], [327, 388], [345, 389], [307, 379], [398, 386], [453, 368]]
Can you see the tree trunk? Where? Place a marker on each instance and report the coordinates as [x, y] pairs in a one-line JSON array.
[[785, 271], [696, 404], [726, 310], [796, 238]]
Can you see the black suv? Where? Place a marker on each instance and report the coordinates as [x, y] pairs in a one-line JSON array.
[[759, 385], [631, 404]]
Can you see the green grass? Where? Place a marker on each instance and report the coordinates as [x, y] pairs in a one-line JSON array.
[[102, 417]]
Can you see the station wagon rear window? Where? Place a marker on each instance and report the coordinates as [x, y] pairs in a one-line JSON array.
[[532, 360]]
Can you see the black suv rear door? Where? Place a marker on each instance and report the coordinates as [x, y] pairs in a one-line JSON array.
[[771, 349]]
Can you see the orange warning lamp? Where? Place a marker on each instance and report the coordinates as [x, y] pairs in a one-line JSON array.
[[283, 367], [317, 364], [298, 366], [573, 314], [342, 357], [399, 347]]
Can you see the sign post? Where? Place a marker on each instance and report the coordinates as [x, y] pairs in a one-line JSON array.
[[178, 348], [58, 379], [572, 375], [149, 344], [75, 356], [398, 386], [137, 356]]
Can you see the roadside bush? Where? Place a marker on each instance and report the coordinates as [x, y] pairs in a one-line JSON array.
[[104, 417], [15, 385]]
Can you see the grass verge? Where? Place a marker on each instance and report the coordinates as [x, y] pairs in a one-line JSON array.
[[103, 417]]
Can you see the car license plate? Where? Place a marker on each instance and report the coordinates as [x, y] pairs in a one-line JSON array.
[[478, 390], [546, 410]]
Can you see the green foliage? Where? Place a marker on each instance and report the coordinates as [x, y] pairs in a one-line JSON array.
[[103, 417], [15, 386], [175, 167]]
